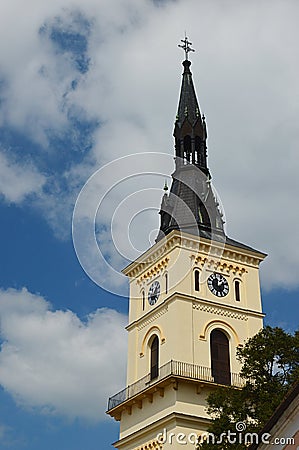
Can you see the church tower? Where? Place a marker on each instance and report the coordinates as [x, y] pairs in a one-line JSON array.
[[194, 298]]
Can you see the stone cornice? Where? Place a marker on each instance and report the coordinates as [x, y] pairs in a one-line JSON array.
[[211, 249], [161, 423], [212, 307], [224, 312], [219, 266], [154, 270], [152, 255], [150, 316], [227, 310]]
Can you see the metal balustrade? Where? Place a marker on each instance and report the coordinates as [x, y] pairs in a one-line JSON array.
[[175, 368]]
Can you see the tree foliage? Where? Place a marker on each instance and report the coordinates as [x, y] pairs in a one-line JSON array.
[[270, 365]]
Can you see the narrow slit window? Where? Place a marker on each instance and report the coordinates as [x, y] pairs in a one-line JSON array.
[[143, 300], [196, 280], [198, 158], [187, 148], [154, 358], [166, 283], [237, 291]]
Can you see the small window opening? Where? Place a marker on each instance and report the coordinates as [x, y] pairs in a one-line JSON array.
[[196, 280], [178, 147], [155, 358], [166, 283], [198, 158], [187, 148], [143, 300], [237, 291]]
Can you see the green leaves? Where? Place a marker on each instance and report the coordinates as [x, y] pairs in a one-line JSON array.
[[269, 354], [270, 364]]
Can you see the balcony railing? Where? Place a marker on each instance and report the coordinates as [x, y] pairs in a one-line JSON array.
[[175, 368]]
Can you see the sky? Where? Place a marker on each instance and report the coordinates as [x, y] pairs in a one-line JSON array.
[[88, 97]]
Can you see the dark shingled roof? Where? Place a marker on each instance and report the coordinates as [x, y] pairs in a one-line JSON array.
[[191, 205], [188, 105]]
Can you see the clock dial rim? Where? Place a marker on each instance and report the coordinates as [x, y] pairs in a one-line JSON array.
[[154, 293], [218, 285]]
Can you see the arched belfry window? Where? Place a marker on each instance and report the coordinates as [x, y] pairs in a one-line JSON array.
[[178, 148], [237, 291], [187, 148], [196, 280], [198, 158], [220, 357], [154, 357]]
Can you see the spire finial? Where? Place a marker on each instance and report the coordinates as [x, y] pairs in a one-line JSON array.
[[186, 46]]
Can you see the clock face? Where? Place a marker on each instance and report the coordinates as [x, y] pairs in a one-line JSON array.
[[218, 285], [154, 292]]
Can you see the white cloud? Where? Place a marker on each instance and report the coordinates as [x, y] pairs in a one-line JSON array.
[[57, 363], [245, 70], [246, 82], [18, 180], [115, 213]]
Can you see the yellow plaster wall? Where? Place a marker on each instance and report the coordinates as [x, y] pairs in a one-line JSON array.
[[183, 319]]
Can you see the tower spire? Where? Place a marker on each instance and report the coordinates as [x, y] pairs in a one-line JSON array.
[[191, 205], [190, 129]]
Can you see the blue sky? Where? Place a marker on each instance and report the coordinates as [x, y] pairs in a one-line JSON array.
[[83, 84]]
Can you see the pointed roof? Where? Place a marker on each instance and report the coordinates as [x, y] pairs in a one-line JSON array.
[[188, 104], [190, 129], [191, 204]]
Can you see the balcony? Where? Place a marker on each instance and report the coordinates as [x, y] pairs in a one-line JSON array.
[[172, 368]]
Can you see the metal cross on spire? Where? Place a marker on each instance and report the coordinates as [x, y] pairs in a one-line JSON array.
[[186, 46]]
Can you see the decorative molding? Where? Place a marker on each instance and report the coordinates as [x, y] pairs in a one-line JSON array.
[[224, 326], [155, 270], [155, 329], [219, 311], [216, 258], [152, 255], [151, 445], [153, 317], [220, 266], [213, 249]]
